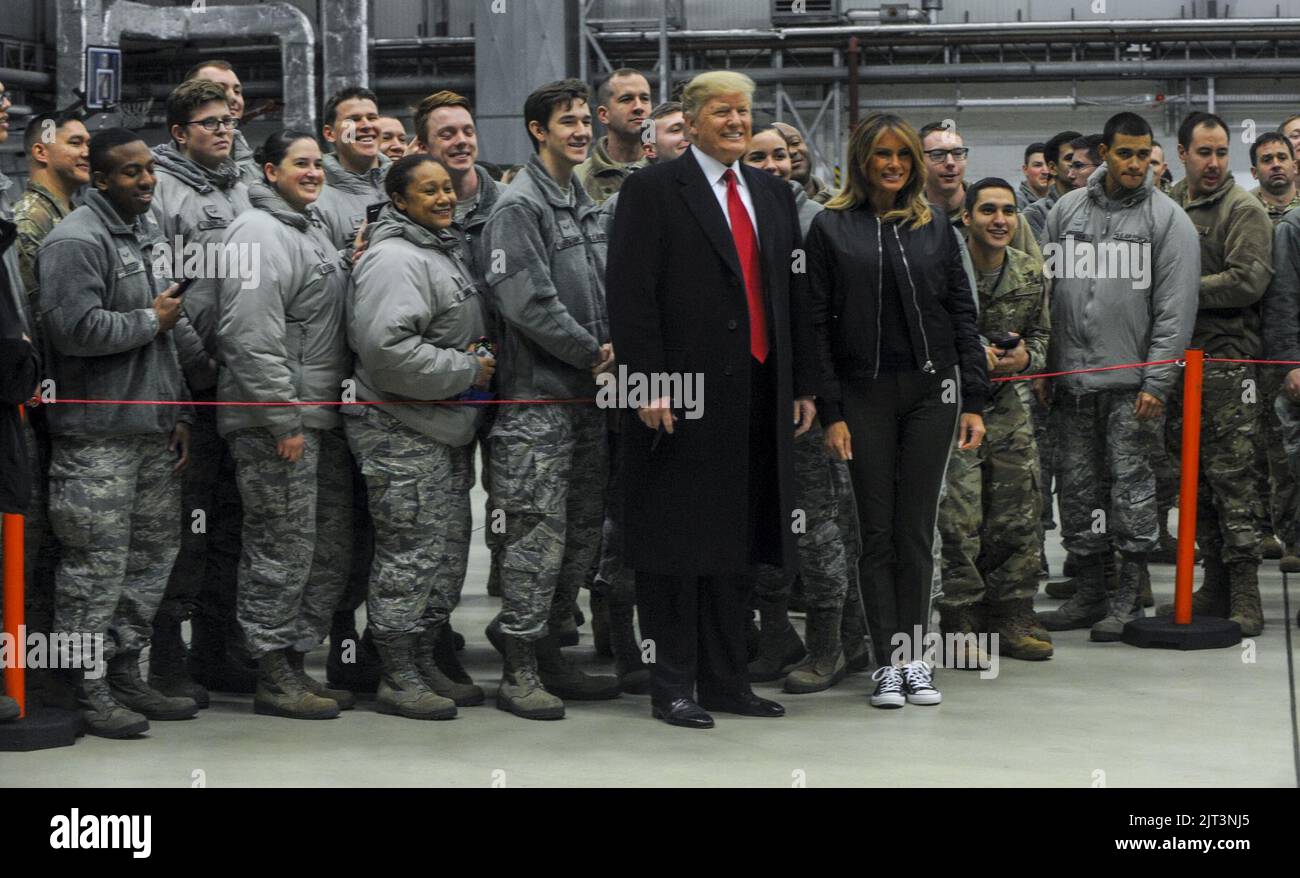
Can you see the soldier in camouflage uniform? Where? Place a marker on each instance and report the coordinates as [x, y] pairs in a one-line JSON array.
[[622, 103], [990, 516], [415, 315], [199, 193], [114, 502], [1134, 309], [57, 167], [1236, 267], [549, 462], [282, 341], [1272, 162]]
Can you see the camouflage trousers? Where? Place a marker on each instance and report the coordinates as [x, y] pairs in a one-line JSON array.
[[1280, 516], [297, 539], [210, 521], [990, 516], [1229, 508], [113, 504], [419, 502], [549, 466], [1100, 442], [828, 543], [1040, 415]]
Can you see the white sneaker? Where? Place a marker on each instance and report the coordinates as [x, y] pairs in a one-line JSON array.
[[889, 688], [918, 683]]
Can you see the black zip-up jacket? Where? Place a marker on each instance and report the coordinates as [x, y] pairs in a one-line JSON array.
[[844, 272]]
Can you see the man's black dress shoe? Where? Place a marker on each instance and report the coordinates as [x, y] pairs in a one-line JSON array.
[[683, 712], [746, 704]]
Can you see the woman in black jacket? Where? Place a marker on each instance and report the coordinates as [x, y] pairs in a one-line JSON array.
[[904, 369]]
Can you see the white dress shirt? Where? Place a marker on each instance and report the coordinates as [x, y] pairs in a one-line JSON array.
[[713, 172]]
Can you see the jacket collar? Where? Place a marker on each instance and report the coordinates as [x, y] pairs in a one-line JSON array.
[[348, 181], [61, 209], [697, 189], [1180, 193], [193, 174], [392, 223], [108, 215], [551, 191], [601, 163], [264, 197], [1097, 191]]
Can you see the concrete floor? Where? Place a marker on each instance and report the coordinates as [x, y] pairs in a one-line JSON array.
[[1096, 714]]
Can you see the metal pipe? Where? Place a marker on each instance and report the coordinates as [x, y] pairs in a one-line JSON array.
[[25, 78], [1209, 93], [854, 60], [1028, 71], [420, 42], [665, 75], [345, 51], [286, 23]]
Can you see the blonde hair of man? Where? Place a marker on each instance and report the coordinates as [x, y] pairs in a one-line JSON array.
[[713, 84]]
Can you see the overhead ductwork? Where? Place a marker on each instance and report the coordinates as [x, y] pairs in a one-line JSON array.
[[345, 31], [96, 22]]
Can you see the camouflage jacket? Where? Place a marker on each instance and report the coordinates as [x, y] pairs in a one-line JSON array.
[[1276, 213], [36, 214], [821, 193], [601, 176], [1236, 267], [1018, 303]]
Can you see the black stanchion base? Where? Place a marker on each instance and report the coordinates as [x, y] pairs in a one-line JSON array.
[[42, 729], [1161, 632]]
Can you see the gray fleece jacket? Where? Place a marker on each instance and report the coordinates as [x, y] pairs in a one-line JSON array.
[[1115, 316], [100, 331], [342, 205], [549, 291], [413, 308], [193, 206], [282, 340]]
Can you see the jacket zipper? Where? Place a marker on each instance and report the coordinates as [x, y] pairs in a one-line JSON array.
[[880, 293], [920, 320]]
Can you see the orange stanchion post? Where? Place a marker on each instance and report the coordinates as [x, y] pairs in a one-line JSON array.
[[1191, 457], [15, 683]]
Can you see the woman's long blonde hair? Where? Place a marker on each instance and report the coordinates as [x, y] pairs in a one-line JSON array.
[[911, 207]]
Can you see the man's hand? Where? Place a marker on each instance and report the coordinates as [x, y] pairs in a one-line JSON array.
[[167, 308], [990, 358], [804, 412], [360, 242], [658, 413], [1043, 391], [1291, 385], [970, 432], [839, 444], [290, 448], [606, 361], [1012, 362], [180, 445], [1148, 406]]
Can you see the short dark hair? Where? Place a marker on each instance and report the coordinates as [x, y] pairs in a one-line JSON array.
[[931, 127], [605, 88], [193, 72], [1269, 137], [104, 142], [401, 171], [1052, 149], [188, 97], [1128, 124], [1198, 118], [1088, 143], [36, 123], [973, 192], [352, 92], [276, 146], [667, 108], [437, 101], [542, 103], [1033, 148]]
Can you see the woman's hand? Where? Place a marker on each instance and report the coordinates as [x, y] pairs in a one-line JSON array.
[[970, 432], [839, 444]]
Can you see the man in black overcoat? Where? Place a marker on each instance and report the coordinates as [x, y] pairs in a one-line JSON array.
[[704, 278]]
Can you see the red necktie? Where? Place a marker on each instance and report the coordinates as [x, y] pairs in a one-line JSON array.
[[742, 232]]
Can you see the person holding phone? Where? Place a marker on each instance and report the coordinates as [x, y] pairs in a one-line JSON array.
[[988, 519], [903, 371], [282, 341], [415, 320], [109, 330]]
